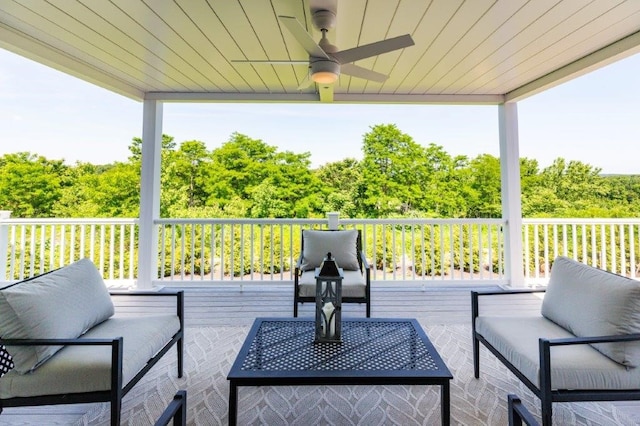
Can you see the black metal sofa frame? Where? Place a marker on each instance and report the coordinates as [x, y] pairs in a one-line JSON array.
[[176, 411], [364, 267], [118, 389], [545, 393]]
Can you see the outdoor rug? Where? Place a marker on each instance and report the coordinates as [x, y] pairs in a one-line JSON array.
[[210, 352]]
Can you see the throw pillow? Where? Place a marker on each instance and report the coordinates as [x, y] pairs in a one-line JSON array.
[[591, 302], [62, 304], [341, 244], [6, 361]]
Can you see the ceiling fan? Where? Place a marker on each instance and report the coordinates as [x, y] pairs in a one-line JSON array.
[[326, 62]]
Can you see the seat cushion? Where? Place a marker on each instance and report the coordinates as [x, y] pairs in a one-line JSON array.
[[341, 244], [353, 284], [573, 367], [60, 304], [87, 368], [592, 302]]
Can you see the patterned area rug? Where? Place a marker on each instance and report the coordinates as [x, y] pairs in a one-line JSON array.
[[211, 351]]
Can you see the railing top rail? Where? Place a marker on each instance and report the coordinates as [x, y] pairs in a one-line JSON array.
[[309, 222], [165, 221], [580, 221], [422, 221], [70, 221]]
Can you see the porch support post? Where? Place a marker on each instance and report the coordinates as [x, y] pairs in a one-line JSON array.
[[4, 245], [511, 194], [149, 193]]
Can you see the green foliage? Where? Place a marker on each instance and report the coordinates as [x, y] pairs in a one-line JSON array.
[[245, 177], [30, 185]]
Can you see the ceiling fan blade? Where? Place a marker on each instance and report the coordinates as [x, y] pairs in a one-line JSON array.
[[272, 62], [373, 49], [326, 92], [303, 37], [356, 71], [306, 82]]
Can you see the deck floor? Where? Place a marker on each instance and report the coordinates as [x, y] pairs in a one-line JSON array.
[[229, 305]]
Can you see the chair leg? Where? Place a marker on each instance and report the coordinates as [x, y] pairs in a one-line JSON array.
[[547, 413], [180, 349], [476, 356], [368, 308], [295, 307], [116, 404]]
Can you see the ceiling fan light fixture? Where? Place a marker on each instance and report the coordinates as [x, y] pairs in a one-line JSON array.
[[325, 71], [324, 77]]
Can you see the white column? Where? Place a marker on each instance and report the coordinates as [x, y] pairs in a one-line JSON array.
[[4, 245], [149, 193], [511, 194]]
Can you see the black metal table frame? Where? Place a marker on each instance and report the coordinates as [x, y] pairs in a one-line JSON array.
[[239, 377]]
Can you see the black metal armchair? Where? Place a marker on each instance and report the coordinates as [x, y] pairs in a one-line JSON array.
[[346, 248]]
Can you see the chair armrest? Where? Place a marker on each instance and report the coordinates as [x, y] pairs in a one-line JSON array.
[[61, 342], [546, 344], [298, 267], [178, 294], [365, 264], [176, 411], [164, 293], [475, 296], [116, 344], [504, 292], [591, 339], [519, 413]]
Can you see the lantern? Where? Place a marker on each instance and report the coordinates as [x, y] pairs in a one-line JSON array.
[[328, 301]]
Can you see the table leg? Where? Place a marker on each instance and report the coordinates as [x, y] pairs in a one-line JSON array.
[[233, 404], [445, 404]]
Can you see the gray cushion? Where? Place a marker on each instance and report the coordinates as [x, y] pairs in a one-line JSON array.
[[353, 284], [573, 367], [61, 304], [88, 368], [592, 302], [341, 244]]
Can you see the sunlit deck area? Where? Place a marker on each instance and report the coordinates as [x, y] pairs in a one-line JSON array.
[[227, 306]]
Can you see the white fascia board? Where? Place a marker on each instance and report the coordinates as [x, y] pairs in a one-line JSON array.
[[230, 97], [313, 97], [614, 52], [37, 51]]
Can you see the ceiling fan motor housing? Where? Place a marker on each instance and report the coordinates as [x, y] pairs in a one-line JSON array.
[[324, 19], [319, 65]]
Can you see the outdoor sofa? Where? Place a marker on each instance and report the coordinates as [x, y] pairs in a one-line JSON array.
[[69, 347], [584, 345]]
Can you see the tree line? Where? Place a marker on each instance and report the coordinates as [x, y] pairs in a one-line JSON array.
[[245, 177]]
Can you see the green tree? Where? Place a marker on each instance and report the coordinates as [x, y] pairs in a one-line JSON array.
[[30, 185], [112, 191], [341, 182], [246, 171], [185, 175], [486, 185], [390, 174]]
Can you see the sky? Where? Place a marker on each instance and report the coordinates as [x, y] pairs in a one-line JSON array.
[[594, 119]]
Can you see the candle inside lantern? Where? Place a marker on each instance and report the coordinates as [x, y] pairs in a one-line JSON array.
[[329, 324]]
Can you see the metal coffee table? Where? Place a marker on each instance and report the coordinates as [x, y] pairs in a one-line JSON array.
[[281, 352]]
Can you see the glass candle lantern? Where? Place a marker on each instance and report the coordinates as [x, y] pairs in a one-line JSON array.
[[328, 301]]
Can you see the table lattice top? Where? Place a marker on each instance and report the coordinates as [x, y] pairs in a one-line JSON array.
[[282, 345]]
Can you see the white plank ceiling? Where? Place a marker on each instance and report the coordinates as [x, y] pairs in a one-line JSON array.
[[473, 51]]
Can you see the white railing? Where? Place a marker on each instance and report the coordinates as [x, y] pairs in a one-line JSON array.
[[237, 251], [400, 250], [610, 244], [35, 246]]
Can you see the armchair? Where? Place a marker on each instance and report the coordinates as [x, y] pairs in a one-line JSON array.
[[346, 248]]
